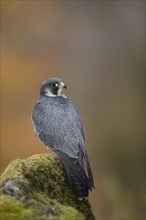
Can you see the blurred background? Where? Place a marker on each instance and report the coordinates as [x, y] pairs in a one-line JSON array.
[[98, 48]]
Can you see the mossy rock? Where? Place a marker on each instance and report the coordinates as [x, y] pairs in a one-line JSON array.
[[37, 188]]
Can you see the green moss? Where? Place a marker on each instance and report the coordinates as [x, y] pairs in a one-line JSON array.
[[40, 182], [12, 209], [14, 169]]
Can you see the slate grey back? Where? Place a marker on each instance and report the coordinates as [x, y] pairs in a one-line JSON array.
[[57, 124]]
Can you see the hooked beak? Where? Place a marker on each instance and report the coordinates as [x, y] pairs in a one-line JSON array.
[[62, 85]]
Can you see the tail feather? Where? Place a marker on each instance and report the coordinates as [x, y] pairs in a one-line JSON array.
[[79, 181], [80, 190]]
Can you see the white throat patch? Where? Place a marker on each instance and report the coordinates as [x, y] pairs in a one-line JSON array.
[[49, 93]]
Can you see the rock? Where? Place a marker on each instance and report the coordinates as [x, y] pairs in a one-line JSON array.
[[37, 188]]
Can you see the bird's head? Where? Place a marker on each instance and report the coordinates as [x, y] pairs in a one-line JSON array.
[[52, 87]]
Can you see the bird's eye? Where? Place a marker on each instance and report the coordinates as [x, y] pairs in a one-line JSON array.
[[54, 84]]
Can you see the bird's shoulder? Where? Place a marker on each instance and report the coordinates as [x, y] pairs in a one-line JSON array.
[[58, 103], [57, 110]]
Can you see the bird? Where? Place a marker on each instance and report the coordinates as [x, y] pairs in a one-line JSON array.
[[57, 124]]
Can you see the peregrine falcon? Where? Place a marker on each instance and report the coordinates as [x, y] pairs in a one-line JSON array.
[[57, 124]]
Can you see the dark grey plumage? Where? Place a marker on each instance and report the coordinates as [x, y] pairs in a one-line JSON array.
[[57, 124]]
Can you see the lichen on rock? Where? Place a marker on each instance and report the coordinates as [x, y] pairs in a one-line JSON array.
[[37, 188]]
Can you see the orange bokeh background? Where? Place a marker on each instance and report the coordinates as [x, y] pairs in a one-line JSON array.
[[98, 48]]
